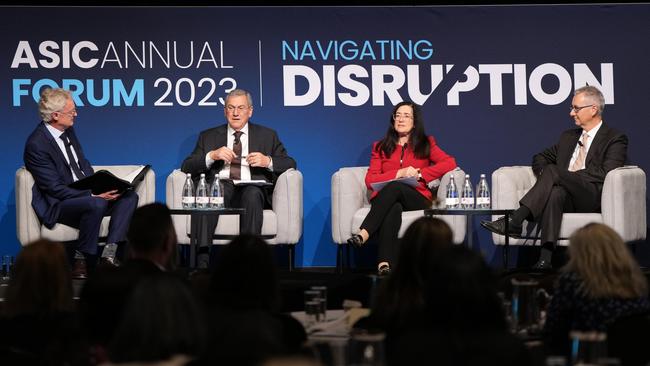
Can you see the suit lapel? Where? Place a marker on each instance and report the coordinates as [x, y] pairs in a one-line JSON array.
[[252, 141], [599, 140], [54, 147], [569, 148]]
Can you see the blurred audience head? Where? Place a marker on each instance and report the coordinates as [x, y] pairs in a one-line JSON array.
[[161, 319], [402, 295], [245, 276], [41, 282], [604, 263], [151, 234], [462, 292]]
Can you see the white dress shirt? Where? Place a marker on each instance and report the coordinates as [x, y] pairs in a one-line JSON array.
[[592, 133], [57, 137]]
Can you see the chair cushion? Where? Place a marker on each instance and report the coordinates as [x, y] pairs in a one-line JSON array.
[[63, 233]]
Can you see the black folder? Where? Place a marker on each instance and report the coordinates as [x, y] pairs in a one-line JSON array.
[[103, 181]]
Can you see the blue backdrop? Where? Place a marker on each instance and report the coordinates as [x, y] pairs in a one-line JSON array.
[[495, 84]]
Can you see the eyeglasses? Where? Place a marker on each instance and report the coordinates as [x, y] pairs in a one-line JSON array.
[[577, 109], [397, 116], [239, 108], [72, 112]]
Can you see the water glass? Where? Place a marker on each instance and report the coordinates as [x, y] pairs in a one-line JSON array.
[[322, 291], [588, 348], [313, 304], [525, 309], [366, 350]]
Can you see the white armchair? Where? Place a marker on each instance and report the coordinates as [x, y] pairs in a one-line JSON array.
[[623, 204], [282, 224], [350, 205], [29, 229]]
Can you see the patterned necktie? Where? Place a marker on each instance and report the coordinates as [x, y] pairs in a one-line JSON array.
[[235, 164], [582, 153], [73, 163]]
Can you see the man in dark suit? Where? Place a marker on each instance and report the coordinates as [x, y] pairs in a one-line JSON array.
[[239, 151], [54, 157], [570, 174]]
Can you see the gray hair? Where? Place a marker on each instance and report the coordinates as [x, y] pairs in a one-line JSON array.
[[239, 93], [52, 100], [594, 95]]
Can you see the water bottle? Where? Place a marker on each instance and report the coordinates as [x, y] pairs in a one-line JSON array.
[[188, 193], [216, 196], [483, 194], [202, 198], [467, 195], [451, 200]]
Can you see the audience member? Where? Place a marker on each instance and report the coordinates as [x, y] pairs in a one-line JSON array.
[[40, 326], [246, 326], [151, 247], [600, 283], [162, 320]]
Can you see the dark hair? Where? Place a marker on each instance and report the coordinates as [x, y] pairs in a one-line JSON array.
[[150, 228], [462, 292], [245, 276], [418, 140], [402, 295], [41, 282], [162, 318]]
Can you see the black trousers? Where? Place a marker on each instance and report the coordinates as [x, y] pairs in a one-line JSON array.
[[250, 197], [86, 214], [558, 191], [385, 217]]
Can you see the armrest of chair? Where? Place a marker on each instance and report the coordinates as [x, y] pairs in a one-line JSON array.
[[623, 202], [510, 184], [28, 227], [174, 189], [349, 194], [287, 205]]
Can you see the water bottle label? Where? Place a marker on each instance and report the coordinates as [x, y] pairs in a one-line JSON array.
[[452, 201], [187, 200], [467, 201], [216, 200], [202, 200], [483, 200]]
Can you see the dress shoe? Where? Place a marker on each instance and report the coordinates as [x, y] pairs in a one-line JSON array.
[[542, 264], [498, 226], [356, 241], [79, 270], [109, 261], [203, 261], [384, 270]]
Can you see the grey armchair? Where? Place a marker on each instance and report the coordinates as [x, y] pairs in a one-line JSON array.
[[350, 205], [623, 203], [29, 229], [282, 224]]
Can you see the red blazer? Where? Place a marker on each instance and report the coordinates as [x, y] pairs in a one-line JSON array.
[[384, 168]]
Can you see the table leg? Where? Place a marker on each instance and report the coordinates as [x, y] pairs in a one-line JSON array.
[[506, 247], [194, 238], [468, 231]]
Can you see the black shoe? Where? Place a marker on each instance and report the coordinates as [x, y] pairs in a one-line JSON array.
[[356, 241], [384, 270], [498, 226], [203, 261], [542, 264], [109, 261]]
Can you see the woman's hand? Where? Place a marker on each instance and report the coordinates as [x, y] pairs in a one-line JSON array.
[[408, 171]]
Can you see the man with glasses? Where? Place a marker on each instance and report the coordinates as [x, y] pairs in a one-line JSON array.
[[54, 157], [238, 152], [570, 174]]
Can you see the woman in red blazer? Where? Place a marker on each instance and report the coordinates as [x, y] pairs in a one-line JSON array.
[[405, 151]]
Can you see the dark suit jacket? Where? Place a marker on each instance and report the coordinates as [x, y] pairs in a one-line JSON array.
[[608, 151], [260, 139], [51, 172]]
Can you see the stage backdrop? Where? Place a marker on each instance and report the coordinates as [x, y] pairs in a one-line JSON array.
[[495, 83]]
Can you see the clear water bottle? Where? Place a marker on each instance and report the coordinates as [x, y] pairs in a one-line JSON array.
[[467, 194], [202, 194], [451, 200], [188, 193], [483, 194], [216, 194]]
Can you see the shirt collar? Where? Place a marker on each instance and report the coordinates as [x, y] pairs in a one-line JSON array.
[[244, 129], [53, 131], [592, 133]]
